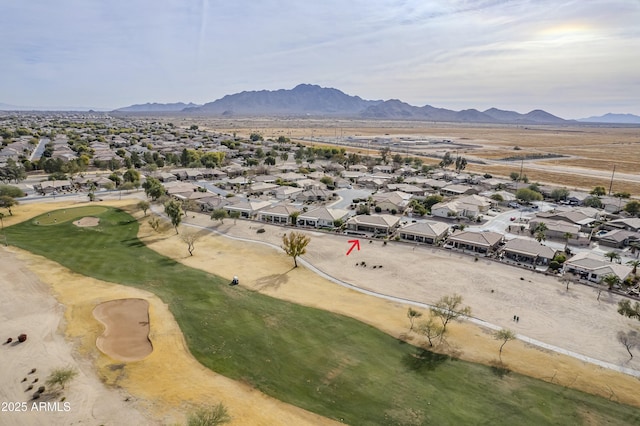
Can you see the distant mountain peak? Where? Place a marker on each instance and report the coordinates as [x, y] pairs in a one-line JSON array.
[[613, 119], [157, 107]]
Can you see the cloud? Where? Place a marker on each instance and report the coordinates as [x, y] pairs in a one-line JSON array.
[[439, 52]]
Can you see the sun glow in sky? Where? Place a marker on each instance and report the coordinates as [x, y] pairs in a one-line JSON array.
[[571, 58]]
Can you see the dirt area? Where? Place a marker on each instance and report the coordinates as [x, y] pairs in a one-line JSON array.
[[87, 221], [169, 382], [597, 148], [126, 329]]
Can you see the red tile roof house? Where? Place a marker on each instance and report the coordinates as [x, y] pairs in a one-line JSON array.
[[476, 242], [429, 232]]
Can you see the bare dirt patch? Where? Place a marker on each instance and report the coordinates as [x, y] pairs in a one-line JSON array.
[[126, 334], [87, 221]]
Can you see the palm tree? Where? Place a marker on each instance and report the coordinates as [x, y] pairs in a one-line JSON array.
[[635, 264], [611, 280], [611, 255], [567, 236]]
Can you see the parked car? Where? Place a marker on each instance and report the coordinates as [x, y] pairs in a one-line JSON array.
[[514, 205]]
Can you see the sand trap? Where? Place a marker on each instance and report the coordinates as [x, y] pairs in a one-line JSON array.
[[87, 221], [126, 334]]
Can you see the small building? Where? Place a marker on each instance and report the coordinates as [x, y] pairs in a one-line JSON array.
[[594, 268], [280, 214], [477, 242], [528, 252], [375, 224], [247, 208], [429, 232], [322, 217]]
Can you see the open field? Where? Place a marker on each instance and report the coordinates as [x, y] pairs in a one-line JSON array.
[[596, 148], [265, 265]]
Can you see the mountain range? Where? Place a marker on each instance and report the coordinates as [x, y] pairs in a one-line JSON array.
[[308, 100]]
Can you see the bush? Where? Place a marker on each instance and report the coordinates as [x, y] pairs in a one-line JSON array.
[[260, 231], [378, 209], [22, 338], [554, 265]]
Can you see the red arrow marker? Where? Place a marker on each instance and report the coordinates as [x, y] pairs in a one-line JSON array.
[[354, 244]]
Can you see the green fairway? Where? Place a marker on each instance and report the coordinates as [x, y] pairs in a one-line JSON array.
[[68, 215], [326, 363]]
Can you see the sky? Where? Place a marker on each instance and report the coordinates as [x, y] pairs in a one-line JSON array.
[[574, 59]]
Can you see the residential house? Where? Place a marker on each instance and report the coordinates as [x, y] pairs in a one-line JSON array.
[[375, 224], [455, 189], [390, 201], [592, 267], [527, 252], [286, 192], [477, 242], [279, 213], [618, 238], [322, 217], [247, 208], [428, 232], [471, 206]]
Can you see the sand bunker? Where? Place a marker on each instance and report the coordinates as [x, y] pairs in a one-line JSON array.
[[87, 221], [126, 334]]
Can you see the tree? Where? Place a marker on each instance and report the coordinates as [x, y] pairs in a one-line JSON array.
[[11, 191], [153, 188], [173, 209], [131, 175], [209, 416], [412, 314], [527, 195], [144, 206], [598, 191], [449, 308], [190, 237], [611, 280], [559, 194], [634, 264], [567, 236], [235, 215], [594, 202], [539, 232], [295, 244], [629, 340], [219, 214], [626, 309], [461, 164], [632, 207], [515, 176], [7, 202], [431, 329], [446, 160], [61, 376], [384, 154], [612, 255], [505, 335]]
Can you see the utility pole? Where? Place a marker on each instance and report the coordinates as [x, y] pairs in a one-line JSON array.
[[612, 174]]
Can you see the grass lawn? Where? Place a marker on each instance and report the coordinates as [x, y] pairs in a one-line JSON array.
[[326, 363]]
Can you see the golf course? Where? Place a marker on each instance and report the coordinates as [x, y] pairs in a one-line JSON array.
[[325, 363]]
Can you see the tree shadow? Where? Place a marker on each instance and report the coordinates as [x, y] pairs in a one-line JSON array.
[[423, 360], [499, 369], [273, 281]]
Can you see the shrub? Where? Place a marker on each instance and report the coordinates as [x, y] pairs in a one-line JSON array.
[[378, 209], [554, 265], [22, 338], [260, 231]]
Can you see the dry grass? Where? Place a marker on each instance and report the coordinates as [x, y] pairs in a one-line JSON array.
[[596, 148]]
